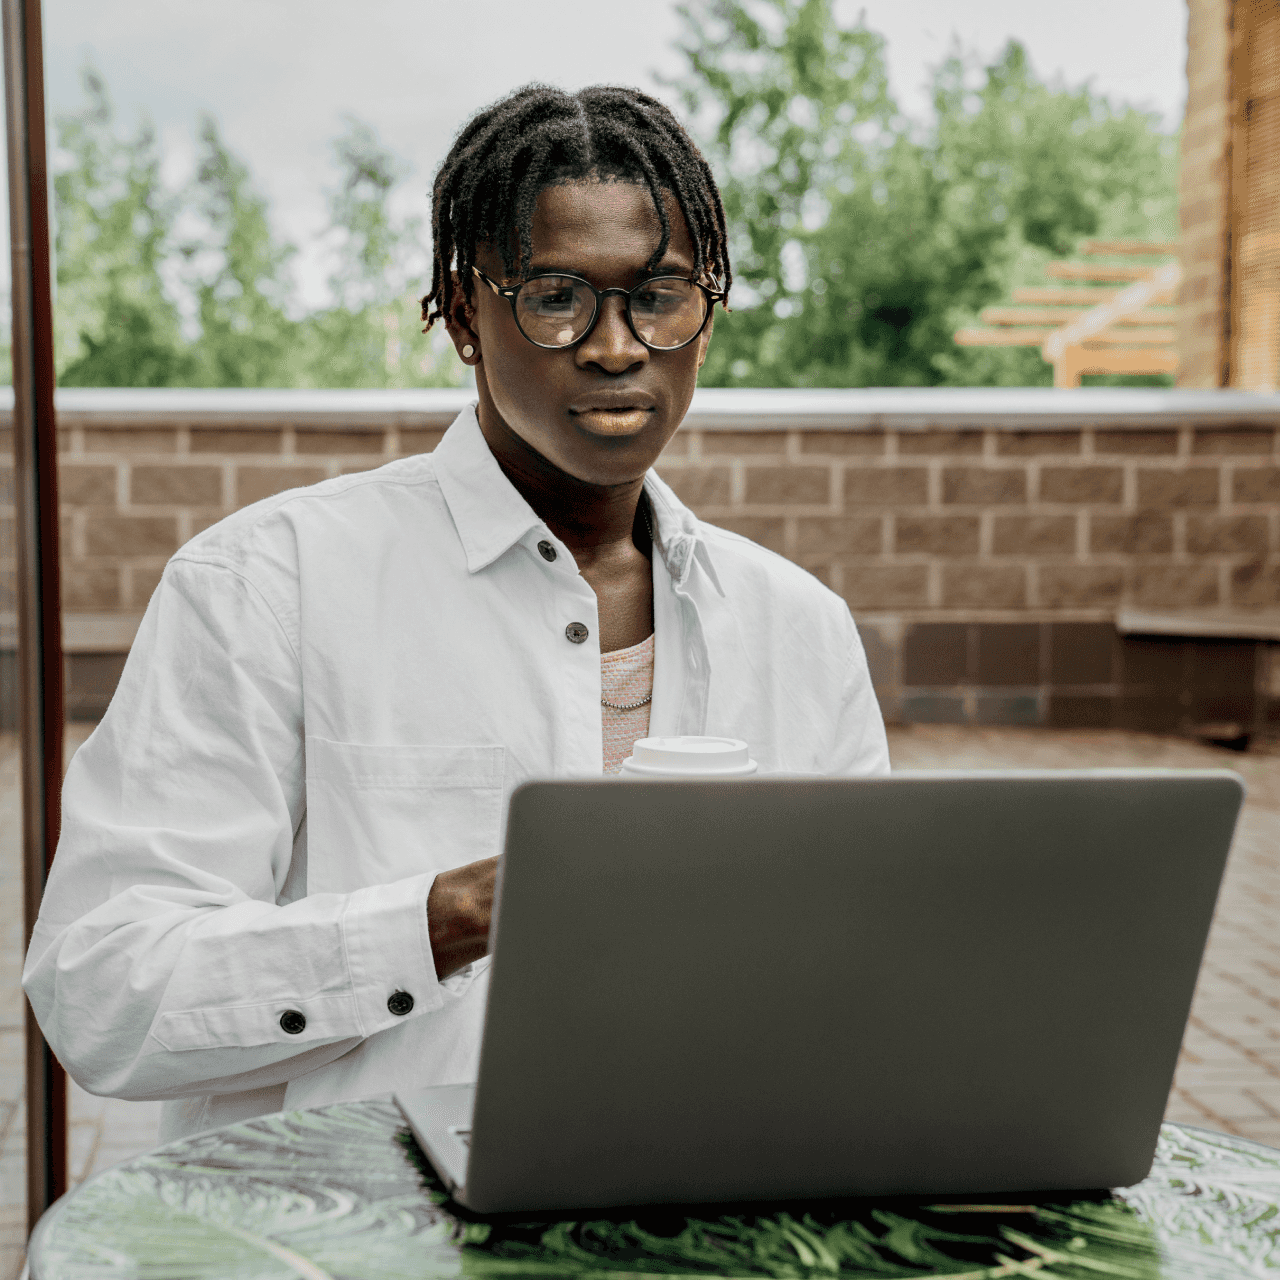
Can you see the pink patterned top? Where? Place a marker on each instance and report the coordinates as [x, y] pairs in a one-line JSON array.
[[626, 675]]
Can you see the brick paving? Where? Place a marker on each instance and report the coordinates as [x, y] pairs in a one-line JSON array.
[[1228, 1076], [1229, 1073], [103, 1131]]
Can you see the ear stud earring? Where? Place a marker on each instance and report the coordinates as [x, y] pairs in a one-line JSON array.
[[468, 351]]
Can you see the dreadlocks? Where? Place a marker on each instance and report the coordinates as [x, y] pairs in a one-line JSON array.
[[488, 185]]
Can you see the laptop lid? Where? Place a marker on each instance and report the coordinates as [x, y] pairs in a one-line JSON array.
[[772, 989]]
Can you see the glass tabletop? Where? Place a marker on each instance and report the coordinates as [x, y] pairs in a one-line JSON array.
[[342, 1192]]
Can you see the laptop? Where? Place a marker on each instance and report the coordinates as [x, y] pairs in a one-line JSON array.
[[935, 984]]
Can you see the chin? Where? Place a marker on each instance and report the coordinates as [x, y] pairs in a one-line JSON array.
[[601, 475], [609, 456], [626, 461]]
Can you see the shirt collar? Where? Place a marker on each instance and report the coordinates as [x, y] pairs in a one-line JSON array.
[[678, 534], [487, 509], [491, 516]]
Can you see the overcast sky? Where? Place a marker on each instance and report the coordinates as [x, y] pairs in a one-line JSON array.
[[280, 74]]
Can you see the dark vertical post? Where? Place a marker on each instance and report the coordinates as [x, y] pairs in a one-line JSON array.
[[36, 507]]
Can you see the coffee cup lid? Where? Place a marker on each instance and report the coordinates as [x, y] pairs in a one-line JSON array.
[[690, 756]]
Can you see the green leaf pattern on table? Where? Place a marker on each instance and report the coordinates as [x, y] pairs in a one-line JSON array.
[[342, 1193]]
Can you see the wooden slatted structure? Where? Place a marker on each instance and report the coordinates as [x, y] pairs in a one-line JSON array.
[[1114, 317]]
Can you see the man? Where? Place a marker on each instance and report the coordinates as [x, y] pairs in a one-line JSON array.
[[278, 852]]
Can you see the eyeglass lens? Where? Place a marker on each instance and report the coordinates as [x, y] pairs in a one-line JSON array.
[[556, 311]]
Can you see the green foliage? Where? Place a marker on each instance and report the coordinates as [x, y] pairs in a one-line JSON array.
[[373, 248], [372, 336], [246, 335], [115, 324], [126, 278], [863, 242], [788, 94]]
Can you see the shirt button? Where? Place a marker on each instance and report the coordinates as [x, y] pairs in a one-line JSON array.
[[292, 1023], [400, 1003], [546, 551], [577, 632]]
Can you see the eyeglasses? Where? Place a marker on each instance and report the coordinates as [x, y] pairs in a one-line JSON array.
[[665, 313]]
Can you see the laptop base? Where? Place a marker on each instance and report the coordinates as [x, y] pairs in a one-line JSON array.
[[441, 1121]]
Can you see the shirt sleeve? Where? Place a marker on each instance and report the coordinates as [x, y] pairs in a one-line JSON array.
[[167, 953], [860, 747]]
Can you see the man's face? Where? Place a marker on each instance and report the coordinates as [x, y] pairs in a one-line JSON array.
[[601, 411]]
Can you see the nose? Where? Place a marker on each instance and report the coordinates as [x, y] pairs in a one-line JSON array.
[[611, 345]]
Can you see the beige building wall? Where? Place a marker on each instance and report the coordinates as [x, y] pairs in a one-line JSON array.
[[1254, 320], [1203, 197], [1229, 322]]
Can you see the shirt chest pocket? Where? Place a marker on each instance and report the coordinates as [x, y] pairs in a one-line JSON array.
[[377, 814]]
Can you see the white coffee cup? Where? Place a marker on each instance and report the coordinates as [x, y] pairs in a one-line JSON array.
[[689, 757]]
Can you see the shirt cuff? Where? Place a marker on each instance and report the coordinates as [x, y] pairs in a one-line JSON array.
[[393, 973]]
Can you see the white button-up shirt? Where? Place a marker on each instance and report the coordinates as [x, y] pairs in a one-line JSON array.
[[329, 700]]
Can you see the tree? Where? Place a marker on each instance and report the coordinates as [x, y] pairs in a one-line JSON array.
[[1057, 165], [125, 280], [864, 241], [784, 94], [371, 336], [861, 241], [115, 324], [240, 276]]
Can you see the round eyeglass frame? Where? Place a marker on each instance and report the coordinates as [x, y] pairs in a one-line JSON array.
[[511, 292]]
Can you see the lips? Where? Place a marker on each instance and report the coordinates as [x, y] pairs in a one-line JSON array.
[[613, 401], [616, 412]]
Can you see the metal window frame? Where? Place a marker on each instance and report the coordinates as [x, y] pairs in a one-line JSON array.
[[40, 677]]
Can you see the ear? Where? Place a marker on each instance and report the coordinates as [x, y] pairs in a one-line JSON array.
[[459, 324]]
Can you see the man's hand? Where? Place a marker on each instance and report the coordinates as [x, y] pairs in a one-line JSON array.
[[458, 910]]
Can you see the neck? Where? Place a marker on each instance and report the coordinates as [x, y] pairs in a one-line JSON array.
[[587, 518]]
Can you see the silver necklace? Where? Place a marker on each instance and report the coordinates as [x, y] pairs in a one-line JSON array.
[[625, 706], [632, 706]]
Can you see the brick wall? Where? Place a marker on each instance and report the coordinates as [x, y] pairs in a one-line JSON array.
[[925, 522], [131, 496], [986, 541]]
